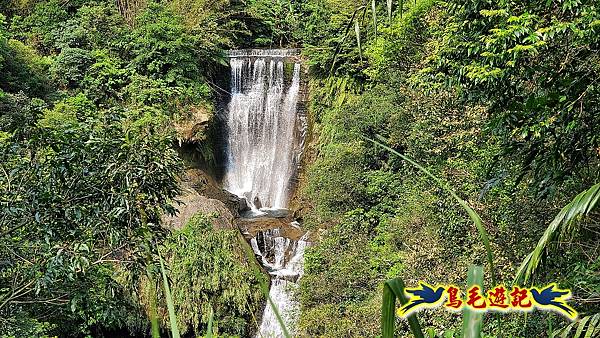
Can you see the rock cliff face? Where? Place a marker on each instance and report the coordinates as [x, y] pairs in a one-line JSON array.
[[193, 127], [200, 193]]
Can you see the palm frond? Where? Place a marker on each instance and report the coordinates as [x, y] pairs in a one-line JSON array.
[[563, 223]]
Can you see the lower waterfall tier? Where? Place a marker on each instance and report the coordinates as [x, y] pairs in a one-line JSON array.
[[279, 244]]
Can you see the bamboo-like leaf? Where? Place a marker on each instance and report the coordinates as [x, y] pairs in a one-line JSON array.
[[390, 3], [472, 214], [587, 325], [581, 326], [580, 206], [473, 320], [209, 329], [374, 11], [394, 289], [593, 329], [357, 31], [169, 298]]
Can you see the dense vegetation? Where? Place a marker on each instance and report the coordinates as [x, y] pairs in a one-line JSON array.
[[498, 98], [89, 93]]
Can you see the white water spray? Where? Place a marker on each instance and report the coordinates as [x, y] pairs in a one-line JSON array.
[[261, 125], [265, 137]]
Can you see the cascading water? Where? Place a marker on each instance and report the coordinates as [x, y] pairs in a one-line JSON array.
[[284, 259], [261, 125], [265, 137]]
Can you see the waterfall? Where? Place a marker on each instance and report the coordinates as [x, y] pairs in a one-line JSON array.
[[262, 123], [284, 258], [265, 138]]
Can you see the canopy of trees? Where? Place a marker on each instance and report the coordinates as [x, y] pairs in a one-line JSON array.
[[497, 98]]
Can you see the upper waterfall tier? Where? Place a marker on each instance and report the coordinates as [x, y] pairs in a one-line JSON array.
[[262, 52], [264, 131]]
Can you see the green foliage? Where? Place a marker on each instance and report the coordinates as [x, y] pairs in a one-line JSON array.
[[70, 66], [42, 27], [499, 99], [209, 271], [534, 63], [22, 68], [564, 224], [161, 49], [278, 21], [79, 192], [405, 91], [87, 103]]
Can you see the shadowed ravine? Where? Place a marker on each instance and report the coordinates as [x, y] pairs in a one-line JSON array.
[[265, 137]]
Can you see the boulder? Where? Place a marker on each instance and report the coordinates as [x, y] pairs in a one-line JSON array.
[[191, 202], [205, 185], [257, 203]]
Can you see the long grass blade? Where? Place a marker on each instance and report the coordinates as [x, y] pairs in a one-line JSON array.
[[169, 298], [209, 329], [473, 320], [563, 223], [154, 327], [357, 32], [390, 4], [374, 11], [483, 235], [394, 289], [338, 48], [388, 312]]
